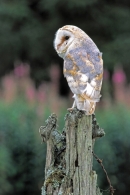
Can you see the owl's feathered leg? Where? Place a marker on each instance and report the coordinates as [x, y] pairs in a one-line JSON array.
[[92, 108], [73, 106], [84, 104]]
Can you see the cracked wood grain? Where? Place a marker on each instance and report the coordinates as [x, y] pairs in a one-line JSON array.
[[69, 158]]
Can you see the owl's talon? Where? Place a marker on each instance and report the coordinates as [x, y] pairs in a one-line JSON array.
[[70, 109], [91, 111]]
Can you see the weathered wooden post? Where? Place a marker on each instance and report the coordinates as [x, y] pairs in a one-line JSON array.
[[69, 157]]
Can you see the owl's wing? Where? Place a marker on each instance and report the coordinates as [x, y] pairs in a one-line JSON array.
[[84, 71]]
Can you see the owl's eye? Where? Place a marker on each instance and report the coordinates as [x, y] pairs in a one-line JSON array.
[[67, 37]]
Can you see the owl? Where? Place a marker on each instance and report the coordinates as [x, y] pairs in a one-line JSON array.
[[83, 66]]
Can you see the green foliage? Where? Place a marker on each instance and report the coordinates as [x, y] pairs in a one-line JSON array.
[[114, 148], [22, 156]]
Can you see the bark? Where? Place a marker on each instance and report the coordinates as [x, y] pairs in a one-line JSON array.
[[69, 157]]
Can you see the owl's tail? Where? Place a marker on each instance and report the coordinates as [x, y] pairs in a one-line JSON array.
[[84, 104]]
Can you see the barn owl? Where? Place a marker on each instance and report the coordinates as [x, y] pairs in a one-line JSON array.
[[83, 66]]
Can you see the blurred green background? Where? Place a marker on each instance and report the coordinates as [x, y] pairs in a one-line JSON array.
[[32, 87]]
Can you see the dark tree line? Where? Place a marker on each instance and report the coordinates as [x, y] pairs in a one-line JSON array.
[[27, 31]]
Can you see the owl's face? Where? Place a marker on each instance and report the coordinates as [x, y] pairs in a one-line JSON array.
[[67, 35], [63, 39]]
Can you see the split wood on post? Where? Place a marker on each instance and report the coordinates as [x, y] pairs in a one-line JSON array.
[[69, 157]]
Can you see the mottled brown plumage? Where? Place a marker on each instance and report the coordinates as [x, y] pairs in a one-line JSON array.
[[83, 66]]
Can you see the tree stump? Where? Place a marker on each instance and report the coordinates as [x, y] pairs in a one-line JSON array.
[[69, 157]]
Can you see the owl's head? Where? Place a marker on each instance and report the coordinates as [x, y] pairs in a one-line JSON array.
[[67, 35], [63, 39]]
